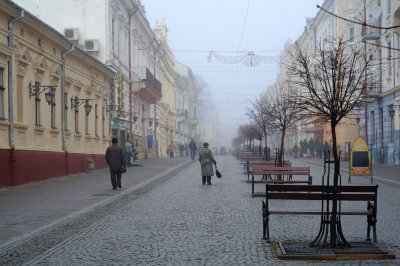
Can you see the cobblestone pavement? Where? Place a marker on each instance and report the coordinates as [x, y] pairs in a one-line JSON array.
[[181, 222]]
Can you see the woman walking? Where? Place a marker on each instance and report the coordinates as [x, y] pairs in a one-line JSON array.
[[206, 159]]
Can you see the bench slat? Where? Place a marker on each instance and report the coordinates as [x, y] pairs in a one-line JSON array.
[[282, 181], [319, 196], [295, 212], [314, 188]]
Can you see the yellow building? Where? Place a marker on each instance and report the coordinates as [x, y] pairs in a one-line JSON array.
[[167, 78], [53, 101]]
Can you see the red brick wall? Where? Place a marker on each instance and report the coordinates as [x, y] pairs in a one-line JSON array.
[[32, 166]]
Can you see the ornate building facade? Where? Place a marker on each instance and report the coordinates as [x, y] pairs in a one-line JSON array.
[[53, 101]]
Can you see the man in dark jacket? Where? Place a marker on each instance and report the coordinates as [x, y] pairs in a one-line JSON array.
[[193, 149], [116, 161]]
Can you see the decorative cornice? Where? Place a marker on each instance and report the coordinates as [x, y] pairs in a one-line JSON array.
[[55, 70]]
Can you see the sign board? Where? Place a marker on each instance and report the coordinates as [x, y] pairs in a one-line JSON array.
[[360, 159]]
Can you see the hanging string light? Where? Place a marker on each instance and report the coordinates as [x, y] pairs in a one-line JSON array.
[[249, 59]]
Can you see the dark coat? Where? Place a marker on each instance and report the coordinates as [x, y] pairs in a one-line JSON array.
[[192, 145], [206, 159], [115, 157]]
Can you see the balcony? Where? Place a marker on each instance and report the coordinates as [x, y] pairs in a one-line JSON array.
[[194, 121], [371, 33], [148, 88], [181, 114]]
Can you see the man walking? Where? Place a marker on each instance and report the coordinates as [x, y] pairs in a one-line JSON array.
[[116, 161], [193, 149]]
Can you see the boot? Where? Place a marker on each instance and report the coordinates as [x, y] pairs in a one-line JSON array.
[[208, 180], [204, 180]]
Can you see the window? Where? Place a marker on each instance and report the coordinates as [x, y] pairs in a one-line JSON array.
[[389, 6], [2, 89], [389, 59], [114, 35], [351, 34], [96, 118], [103, 120], [397, 53], [66, 109], [76, 119], [373, 129], [391, 124], [86, 123], [53, 111], [381, 123], [37, 106]]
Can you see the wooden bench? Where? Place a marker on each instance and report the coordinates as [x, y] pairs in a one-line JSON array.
[[289, 171], [259, 164], [244, 159], [319, 193]]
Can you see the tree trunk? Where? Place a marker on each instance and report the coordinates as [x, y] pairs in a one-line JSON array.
[[333, 226], [266, 146], [282, 147]]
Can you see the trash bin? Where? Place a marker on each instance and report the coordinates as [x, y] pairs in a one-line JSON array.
[[90, 164]]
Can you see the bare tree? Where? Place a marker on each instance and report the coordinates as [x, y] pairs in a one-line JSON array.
[[248, 132], [257, 113], [282, 113], [331, 84]]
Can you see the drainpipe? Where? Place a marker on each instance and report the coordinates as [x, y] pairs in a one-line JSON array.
[[10, 78], [63, 123]]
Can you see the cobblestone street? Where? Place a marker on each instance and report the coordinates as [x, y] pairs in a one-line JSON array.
[[181, 222]]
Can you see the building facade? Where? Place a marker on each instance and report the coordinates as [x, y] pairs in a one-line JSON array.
[[53, 101]]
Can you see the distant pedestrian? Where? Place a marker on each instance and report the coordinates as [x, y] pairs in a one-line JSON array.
[[116, 161], [171, 150], [193, 149], [187, 149], [206, 159], [181, 149], [128, 153], [327, 150]]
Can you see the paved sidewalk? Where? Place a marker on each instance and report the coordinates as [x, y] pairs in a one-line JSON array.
[[33, 206], [181, 222], [383, 172], [171, 219]]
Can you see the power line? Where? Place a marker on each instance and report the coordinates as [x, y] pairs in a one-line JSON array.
[[244, 24]]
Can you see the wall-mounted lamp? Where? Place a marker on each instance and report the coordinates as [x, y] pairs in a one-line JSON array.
[[391, 113], [150, 121], [76, 102], [157, 122], [37, 90], [134, 118]]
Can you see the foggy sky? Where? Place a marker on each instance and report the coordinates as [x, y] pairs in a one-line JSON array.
[[199, 26]]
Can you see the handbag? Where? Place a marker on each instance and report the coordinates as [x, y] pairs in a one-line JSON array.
[[217, 172]]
